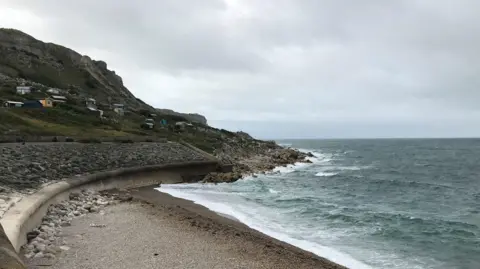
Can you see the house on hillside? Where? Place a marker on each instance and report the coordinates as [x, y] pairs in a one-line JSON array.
[[182, 125], [91, 104], [12, 104], [32, 104], [54, 91], [47, 102], [119, 109], [148, 124], [24, 89], [59, 99]]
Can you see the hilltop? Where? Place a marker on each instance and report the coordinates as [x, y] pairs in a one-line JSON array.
[[22, 56]]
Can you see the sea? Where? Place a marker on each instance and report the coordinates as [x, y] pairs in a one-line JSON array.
[[377, 203]]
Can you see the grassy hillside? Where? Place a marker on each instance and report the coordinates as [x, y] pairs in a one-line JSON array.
[[27, 61]]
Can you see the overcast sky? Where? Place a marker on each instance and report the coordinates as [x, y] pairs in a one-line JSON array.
[[283, 68]]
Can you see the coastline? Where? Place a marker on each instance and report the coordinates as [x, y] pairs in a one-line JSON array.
[[42, 241], [232, 244]]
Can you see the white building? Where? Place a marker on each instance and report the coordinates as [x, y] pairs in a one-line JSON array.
[[119, 109], [12, 104], [54, 91], [91, 104], [59, 99], [24, 89]]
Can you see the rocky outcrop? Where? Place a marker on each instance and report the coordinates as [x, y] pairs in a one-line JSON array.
[[25, 167], [250, 156]]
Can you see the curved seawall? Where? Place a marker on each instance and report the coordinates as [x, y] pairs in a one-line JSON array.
[[27, 213]]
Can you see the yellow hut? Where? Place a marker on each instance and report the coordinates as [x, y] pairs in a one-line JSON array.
[[47, 102]]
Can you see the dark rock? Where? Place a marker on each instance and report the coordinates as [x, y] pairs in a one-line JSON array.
[[125, 198], [74, 196], [32, 235]]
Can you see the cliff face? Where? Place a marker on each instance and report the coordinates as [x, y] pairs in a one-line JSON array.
[[22, 56]]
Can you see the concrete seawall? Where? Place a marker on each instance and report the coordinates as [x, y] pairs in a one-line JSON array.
[[27, 214]]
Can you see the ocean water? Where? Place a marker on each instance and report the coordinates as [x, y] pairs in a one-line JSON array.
[[365, 203]]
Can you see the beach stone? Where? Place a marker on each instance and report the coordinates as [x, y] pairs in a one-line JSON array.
[[29, 255], [42, 235], [50, 256], [37, 241], [31, 235], [29, 247], [64, 248], [45, 228], [40, 247], [50, 249], [39, 255]]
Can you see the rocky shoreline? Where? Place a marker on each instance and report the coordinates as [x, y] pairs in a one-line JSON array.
[[249, 158]]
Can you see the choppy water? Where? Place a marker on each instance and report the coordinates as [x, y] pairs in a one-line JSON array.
[[365, 203]]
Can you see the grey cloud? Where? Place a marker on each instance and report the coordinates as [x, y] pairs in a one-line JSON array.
[[345, 64], [160, 34]]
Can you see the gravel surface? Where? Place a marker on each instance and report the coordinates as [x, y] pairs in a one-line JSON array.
[[168, 232], [45, 241], [25, 167]]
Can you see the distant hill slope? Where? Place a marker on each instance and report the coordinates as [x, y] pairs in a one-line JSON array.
[[22, 56], [26, 60], [189, 116]]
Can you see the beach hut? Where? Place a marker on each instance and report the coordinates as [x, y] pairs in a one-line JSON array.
[[32, 104], [91, 104], [12, 104], [47, 102], [59, 99], [119, 109]]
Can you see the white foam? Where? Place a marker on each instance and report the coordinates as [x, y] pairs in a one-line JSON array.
[[285, 144], [256, 219], [345, 168], [325, 174], [272, 191], [316, 159]]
